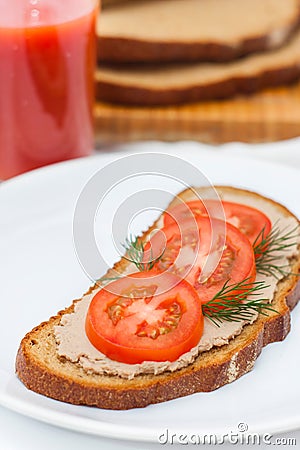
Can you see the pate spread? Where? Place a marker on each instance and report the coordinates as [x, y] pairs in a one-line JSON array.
[[73, 344]]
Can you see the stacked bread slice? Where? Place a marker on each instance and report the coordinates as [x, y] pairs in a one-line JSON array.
[[163, 52], [61, 376]]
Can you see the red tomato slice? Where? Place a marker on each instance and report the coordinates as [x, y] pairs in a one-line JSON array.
[[250, 221], [219, 252], [155, 317]]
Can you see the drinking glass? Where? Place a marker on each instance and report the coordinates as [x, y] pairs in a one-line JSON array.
[[47, 61]]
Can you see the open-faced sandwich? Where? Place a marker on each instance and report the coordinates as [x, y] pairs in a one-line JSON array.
[[187, 309]]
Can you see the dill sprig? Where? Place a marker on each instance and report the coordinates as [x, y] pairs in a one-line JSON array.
[[135, 253], [103, 281], [237, 302], [267, 246]]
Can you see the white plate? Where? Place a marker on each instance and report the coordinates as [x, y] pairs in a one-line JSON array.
[[40, 274]]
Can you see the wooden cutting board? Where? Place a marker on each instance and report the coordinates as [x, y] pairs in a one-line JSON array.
[[271, 115]]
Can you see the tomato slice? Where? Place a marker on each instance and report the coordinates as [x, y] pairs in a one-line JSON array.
[[250, 221], [219, 252], [145, 316]]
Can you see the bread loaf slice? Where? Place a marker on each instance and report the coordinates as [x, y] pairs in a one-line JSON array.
[[41, 369], [193, 30], [182, 83]]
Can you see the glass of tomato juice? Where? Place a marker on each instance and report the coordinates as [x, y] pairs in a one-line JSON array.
[[47, 62]]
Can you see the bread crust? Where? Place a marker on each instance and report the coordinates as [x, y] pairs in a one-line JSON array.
[[117, 49], [140, 96], [41, 370]]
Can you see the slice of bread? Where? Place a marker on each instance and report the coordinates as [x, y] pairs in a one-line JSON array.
[[41, 369], [182, 83], [193, 30]]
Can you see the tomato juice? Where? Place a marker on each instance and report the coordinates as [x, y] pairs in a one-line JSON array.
[[47, 60]]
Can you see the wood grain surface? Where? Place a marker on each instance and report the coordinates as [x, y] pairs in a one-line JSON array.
[[271, 115]]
